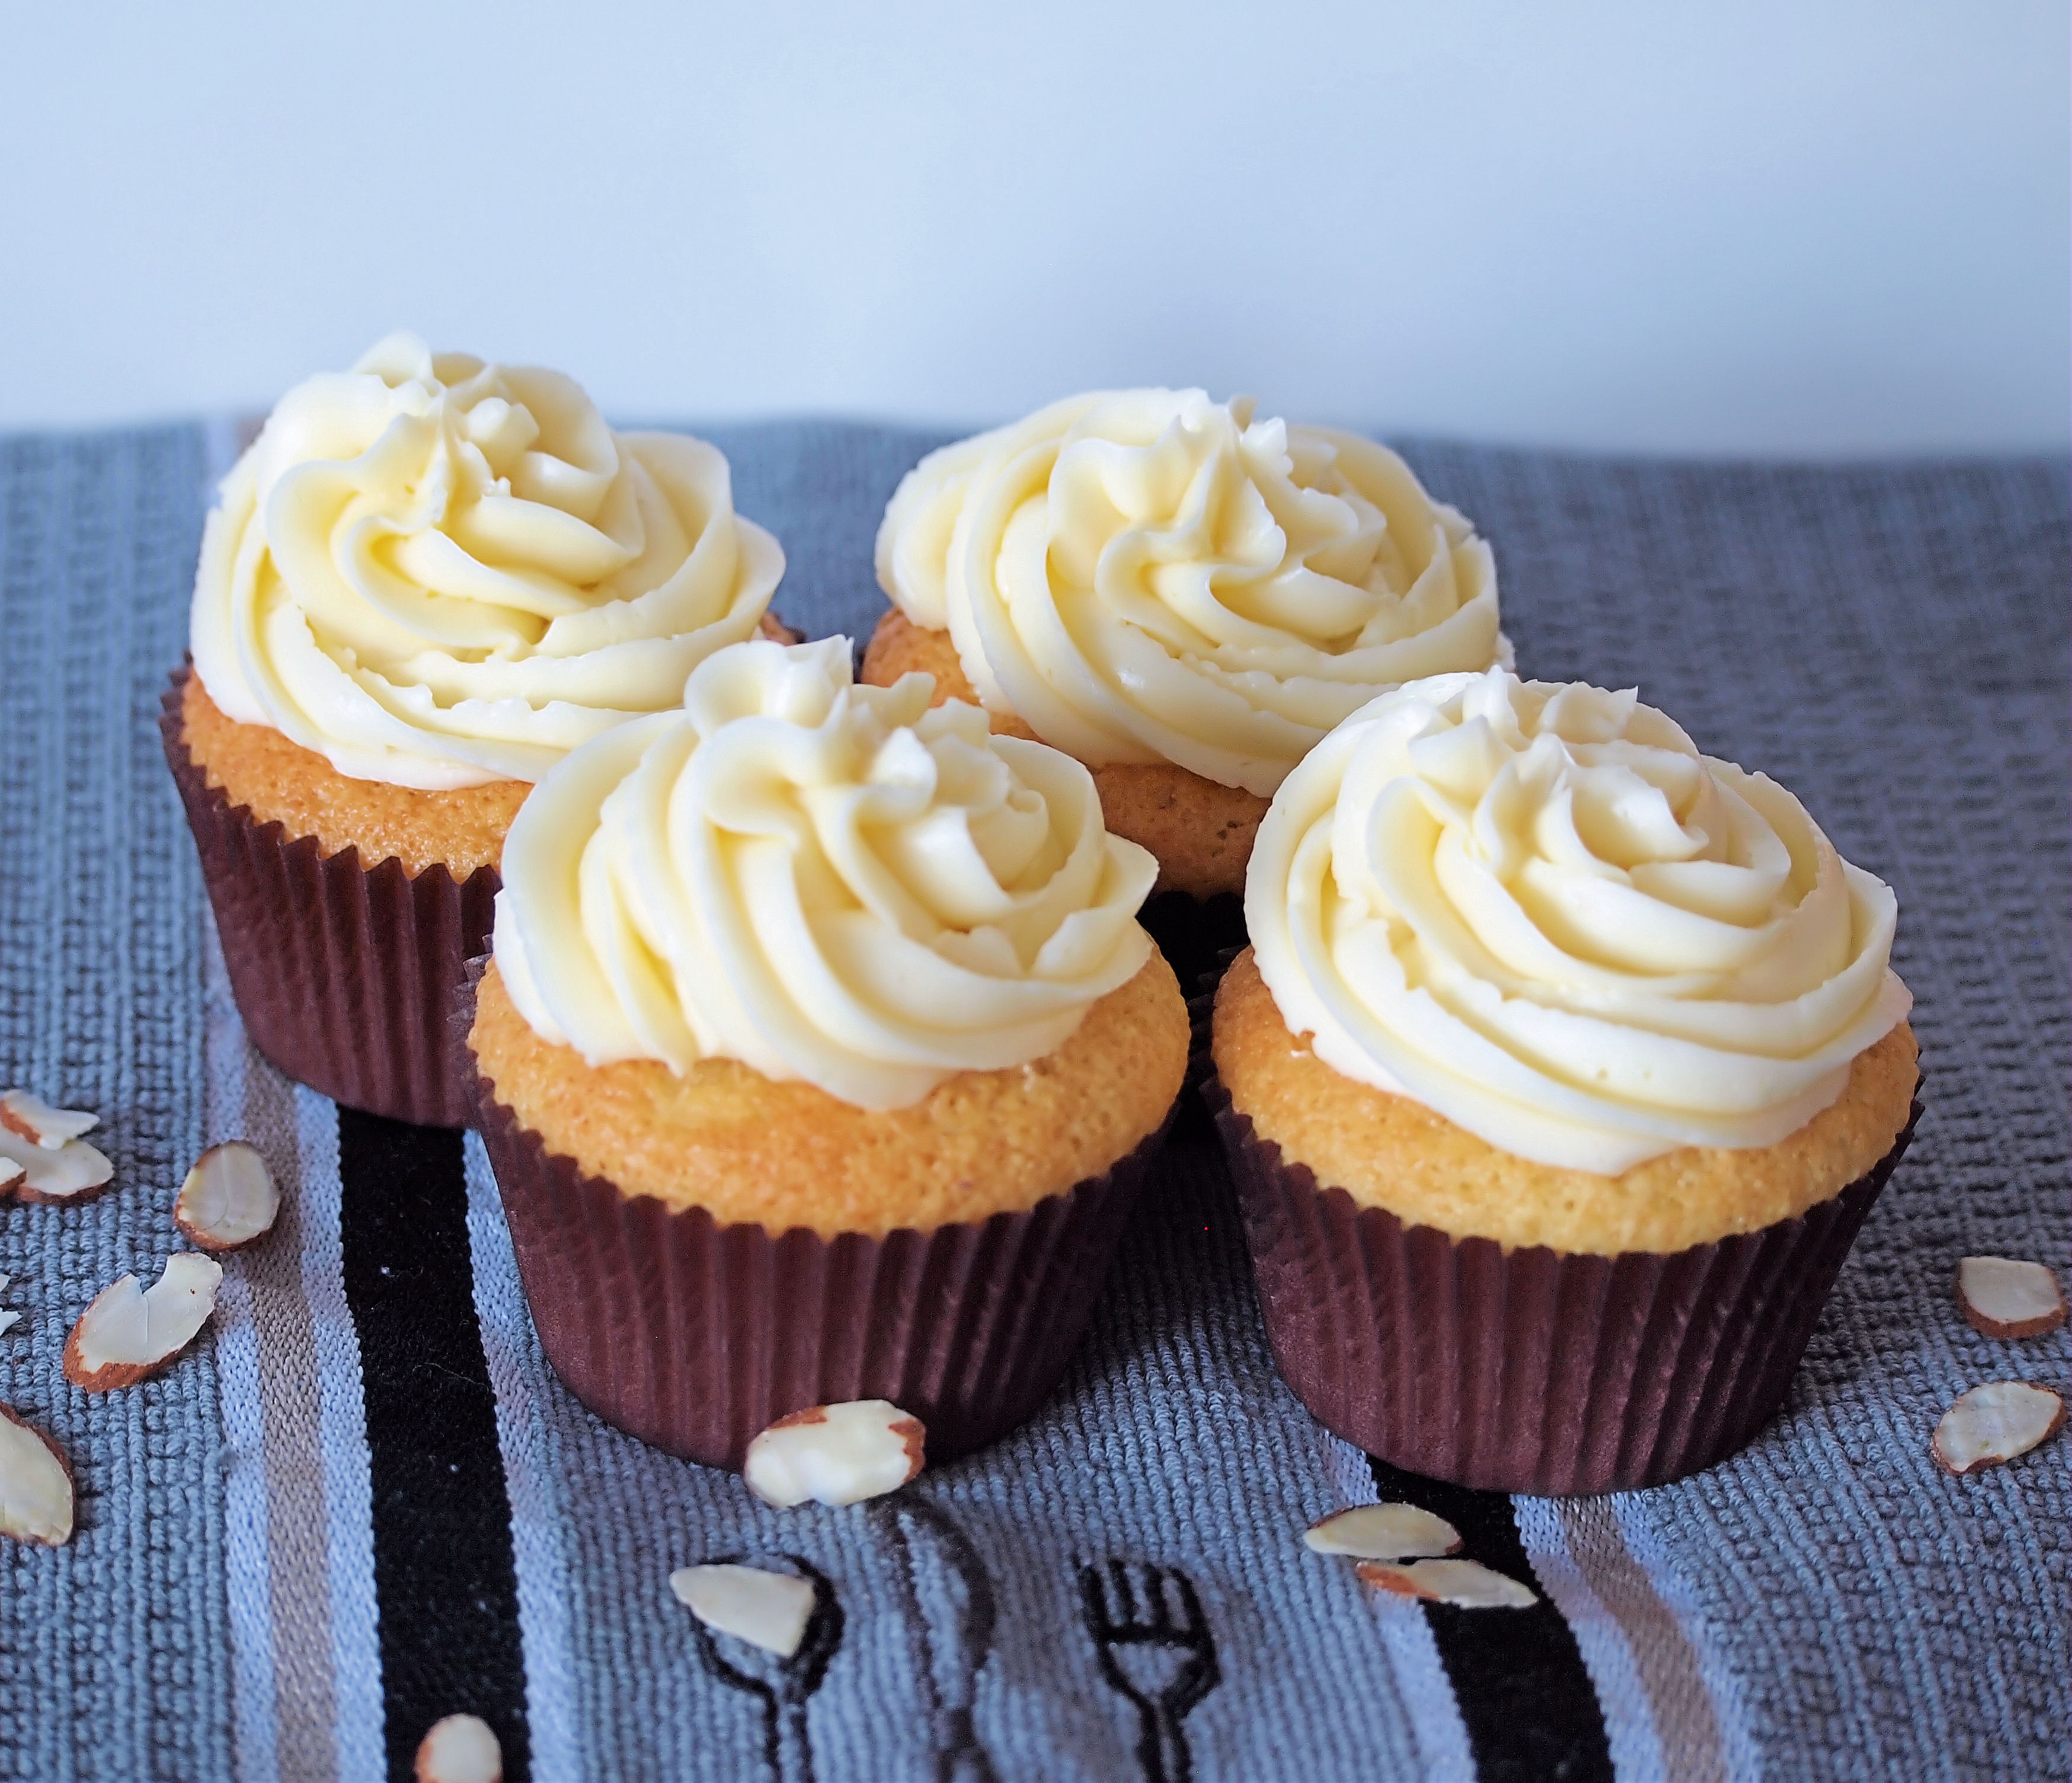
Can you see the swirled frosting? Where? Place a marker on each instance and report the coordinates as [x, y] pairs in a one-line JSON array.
[[827, 882], [1539, 911], [1146, 576], [438, 572]]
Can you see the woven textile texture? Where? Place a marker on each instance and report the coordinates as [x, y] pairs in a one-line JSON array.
[[363, 1500], [114, 1654]]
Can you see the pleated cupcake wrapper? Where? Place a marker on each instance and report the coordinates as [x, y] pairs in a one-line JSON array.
[[345, 975], [1535, 1370], [695, 1336]]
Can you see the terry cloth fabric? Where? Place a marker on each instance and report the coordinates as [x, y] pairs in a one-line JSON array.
[[362, 1501]]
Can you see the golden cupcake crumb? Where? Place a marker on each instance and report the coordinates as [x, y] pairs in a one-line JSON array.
[[1391, 1152], [750, 1150], [281, 781], [1201, 832]]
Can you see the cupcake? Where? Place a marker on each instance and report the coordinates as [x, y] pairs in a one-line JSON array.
[[1565, 1065], [820, 1057], [427, 581], [1183, 598]]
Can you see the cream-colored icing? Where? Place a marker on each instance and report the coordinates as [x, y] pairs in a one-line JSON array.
[[438, 572], [827, 882], [1147, 575], [1539, 911]]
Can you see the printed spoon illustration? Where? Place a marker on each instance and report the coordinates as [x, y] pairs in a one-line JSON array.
[[949, 1600], [781, 1685]]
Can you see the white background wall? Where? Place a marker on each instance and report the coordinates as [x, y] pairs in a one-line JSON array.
[[1784, 226]]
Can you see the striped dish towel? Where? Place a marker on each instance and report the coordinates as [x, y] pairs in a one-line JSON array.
[[362, 1502]]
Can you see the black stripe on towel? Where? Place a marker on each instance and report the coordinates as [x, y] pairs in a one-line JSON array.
[[444, 1576], [1526, 1697]]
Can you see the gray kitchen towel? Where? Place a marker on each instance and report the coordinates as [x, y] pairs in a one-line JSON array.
[[363, 1501]]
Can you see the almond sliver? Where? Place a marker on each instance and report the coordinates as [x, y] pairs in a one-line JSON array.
[[34, 1119], [73, 1172], [35, 1485], [1996, 1423], [1383, 1532], [838, 1455], [460, 1748], [1465, 1584], [768, 1610], [228, 1200], [129, 1333], [2006, 1297]]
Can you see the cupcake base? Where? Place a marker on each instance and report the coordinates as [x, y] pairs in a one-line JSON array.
[[344, 974], [695, 1336], [1531, 1370]]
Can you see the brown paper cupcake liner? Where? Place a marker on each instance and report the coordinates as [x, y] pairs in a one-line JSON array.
[[1532, 1370], [695, 1336], [344, 974]]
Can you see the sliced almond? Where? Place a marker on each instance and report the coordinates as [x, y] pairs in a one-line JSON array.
[[1465, 1584], [1995, 1423], [75, 1171], [838, 1455], [9, 1171], [128, 1333], [768, 1610], [34, 1119], [462, 1748], [2005, 1297], [1383, 1532], [228, 1200], [35, 1485], [8, 1320]]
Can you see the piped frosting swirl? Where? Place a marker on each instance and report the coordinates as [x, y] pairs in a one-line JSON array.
[[827, 882], [438, 572], [1541, 912], [1146, 575]]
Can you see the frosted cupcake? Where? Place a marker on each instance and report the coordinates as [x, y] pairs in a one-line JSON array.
[[1183, 597], [427, 581], [820, 1057], [1569, 1065]]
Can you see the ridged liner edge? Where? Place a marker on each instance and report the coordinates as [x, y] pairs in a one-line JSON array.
[[1531, 1370]]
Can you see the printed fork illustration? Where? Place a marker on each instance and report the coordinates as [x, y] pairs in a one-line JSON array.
[[1156, 1651]]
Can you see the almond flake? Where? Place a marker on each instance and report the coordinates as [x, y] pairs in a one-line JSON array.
[[74, 1171], [1383, 1532], [9, 1171], [128, 1333], [1995, 1423], [768, 1610], [839, 1454], [2005, 1297], [462, 1748], [229, 1200], [8, 1320], [1465, 1584], [33, 1119], [35, 1485]]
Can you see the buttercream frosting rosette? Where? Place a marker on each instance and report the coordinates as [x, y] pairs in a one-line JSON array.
[[426, 581], [1571, 1058], [818, 973], [435, 572], [1150, 580]]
